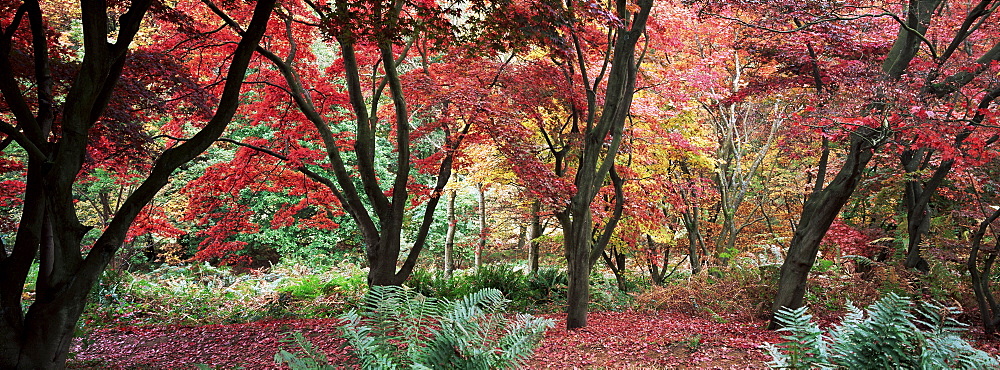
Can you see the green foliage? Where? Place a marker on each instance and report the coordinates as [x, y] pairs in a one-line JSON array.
[[806, 346], [946, 281], [508, 279], [503, 277], [886, 335], [541, 291], [202, 294], [548, 284], [605, 294], [823, 266], [400, 328], [307, 287], [434, 283], [729, 253]]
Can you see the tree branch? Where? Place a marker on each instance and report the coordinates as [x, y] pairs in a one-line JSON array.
[[14, 134]]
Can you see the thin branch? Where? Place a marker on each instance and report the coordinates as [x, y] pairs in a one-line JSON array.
[[835, 18], [228, 140]]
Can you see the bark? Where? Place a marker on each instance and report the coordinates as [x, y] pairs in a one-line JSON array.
[[615, 260], [40, 338], [656, 275], [822, 206], [449, 239], [818, 214], [381, 223], [916, 198], [908, 39], [597, 157], [481, 244], [988, 309], [918, 193], [535, 233], [659, 275], [691, 219]]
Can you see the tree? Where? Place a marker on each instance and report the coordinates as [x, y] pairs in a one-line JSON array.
[[981, 273], [603, 69], [437, 99], [56, 131], [901, 86]]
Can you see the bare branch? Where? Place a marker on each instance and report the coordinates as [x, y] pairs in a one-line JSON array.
[[835, 18]]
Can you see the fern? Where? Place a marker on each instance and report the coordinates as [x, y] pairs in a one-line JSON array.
[[885, 335], [805, 347], [401, 328], [313, 359]]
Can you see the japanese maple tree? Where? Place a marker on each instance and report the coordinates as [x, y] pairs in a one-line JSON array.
[[58, 108], [872, 89]]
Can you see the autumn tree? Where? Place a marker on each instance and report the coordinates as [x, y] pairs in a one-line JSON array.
[[594, 46], [55, 119], [904, 74], [408, 93]]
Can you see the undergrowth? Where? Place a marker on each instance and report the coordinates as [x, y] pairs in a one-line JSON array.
[[892, 333], [201, 294]]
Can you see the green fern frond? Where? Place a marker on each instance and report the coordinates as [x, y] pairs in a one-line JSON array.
[[806, 346], [885, 335], [401, 328]]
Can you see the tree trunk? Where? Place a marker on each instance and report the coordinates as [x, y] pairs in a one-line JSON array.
[[40, 339], [577, 245], [691, 223], [818, 214], [449, 239], [916, 198], [656, 274], [597, 159], [522, 236], [988, 310], [535, 233], [483, 230], [615, 260]]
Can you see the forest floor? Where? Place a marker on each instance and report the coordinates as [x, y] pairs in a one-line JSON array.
[[612, 340]]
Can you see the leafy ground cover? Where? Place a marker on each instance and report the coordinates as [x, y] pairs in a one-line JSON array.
[[614, 340], [627, 339]]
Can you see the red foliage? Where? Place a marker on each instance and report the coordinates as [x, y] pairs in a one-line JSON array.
[[852, 240]]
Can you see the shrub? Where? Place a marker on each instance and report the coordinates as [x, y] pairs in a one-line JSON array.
[[605, 294], [546, 285], [201, 294], [885, 335], [505, 278], [401, 328], [739, 291], [433, 283], [308, 287]]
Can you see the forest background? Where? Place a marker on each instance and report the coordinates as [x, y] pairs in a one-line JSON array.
[[704, 156]]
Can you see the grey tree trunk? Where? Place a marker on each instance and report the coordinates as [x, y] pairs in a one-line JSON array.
[[691, 219], [483, 230], [989, 311], [449, 239], [823, 205], [916, 198], [535, 232]]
